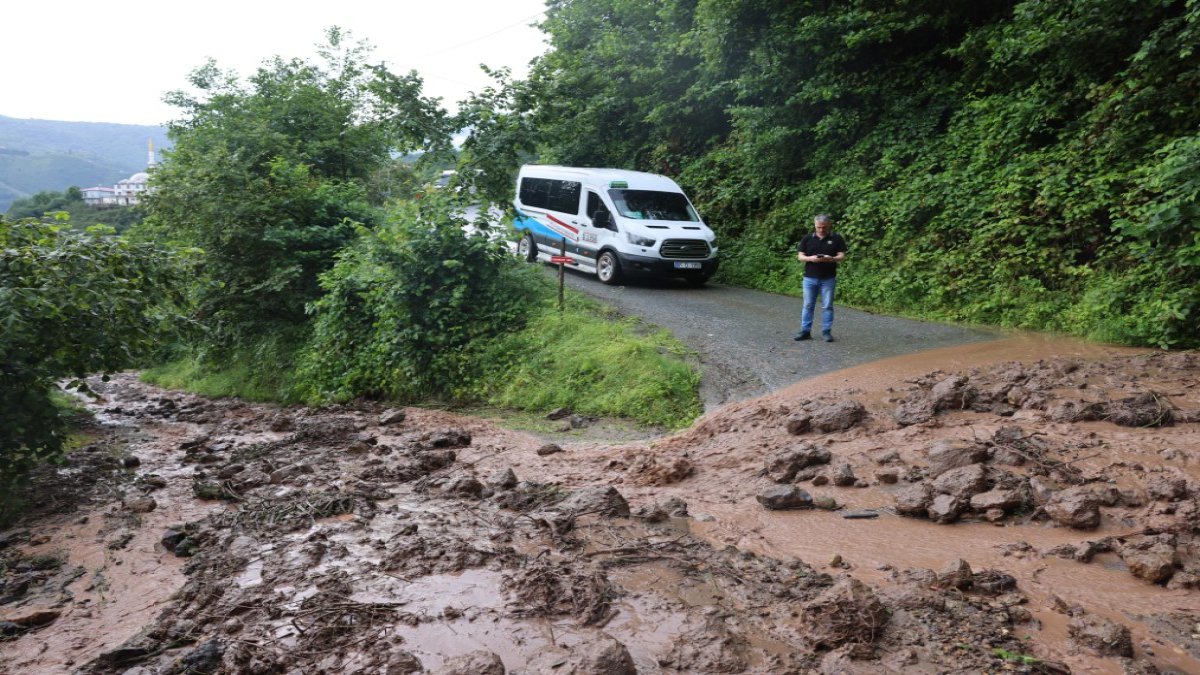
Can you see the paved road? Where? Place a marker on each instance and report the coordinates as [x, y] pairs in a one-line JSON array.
[[744, 337]]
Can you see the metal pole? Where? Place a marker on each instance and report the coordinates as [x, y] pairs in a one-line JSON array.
[[562, 250]]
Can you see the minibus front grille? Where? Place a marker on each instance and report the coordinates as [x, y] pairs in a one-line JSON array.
[[684, 248]]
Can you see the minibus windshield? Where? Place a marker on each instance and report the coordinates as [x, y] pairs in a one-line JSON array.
[[653, 205]]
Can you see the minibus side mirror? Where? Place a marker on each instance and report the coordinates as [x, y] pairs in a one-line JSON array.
[[602, 219]]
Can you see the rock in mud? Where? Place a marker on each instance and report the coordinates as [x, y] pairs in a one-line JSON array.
[[843, 475], [1075, 507], [887, 476], [1154, 561], [1167, 488], [783, 466], [475, 663], [141, 504], [391, 416], [549, 449], [799, 423], [998, 498], [203, 660], [953, 393], [779, 498], [604, 656], [505, 479], [463, 485], [915, 411], [993, 582], [445, 438], [914, 499], [956, 575], [838, 416], [945, 509], [432, 460], [675, 507], [963, 482], [1041, 489], [131, 462], [649, 470], [846, 613], [1100, 635], [946, 455], [604, 500]]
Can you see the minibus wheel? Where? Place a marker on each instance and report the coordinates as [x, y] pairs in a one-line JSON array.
[[527, 248], [608, 268]]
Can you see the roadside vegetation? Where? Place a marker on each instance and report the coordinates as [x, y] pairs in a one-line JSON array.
[[1022, 164]]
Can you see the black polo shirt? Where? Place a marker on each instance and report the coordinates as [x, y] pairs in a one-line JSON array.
[[831, 245]]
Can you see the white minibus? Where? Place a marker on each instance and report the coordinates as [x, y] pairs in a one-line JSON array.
[[614, 223]]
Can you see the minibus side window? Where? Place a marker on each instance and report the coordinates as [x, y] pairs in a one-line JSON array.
[[596, 205], [548, 193]]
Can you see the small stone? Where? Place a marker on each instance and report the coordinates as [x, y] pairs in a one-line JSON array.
[[549, 449], [826, 503], [392, 416], [798, 424], [141, 504], [505, 479], [778, 498], [887, 476], [131, 462], [956, 575]]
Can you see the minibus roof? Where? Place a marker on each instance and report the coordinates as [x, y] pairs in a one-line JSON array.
[[602, 179]]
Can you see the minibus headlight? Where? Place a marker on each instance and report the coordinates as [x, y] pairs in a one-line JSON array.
[[638, 240]]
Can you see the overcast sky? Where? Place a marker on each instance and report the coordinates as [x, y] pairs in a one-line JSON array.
[[113, 61]]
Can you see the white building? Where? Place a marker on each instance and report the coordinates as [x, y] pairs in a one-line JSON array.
[[126, 192]]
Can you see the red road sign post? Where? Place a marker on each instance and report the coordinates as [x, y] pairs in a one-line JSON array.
[[560, 259]]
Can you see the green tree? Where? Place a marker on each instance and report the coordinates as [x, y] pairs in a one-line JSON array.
[[71, 303], [269, 176]]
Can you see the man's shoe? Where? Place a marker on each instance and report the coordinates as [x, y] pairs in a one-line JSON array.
[[802, 336], [828, 336]]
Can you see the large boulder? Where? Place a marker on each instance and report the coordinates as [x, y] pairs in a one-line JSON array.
[[783, 466], [778, 498], [1075, 507], [914, 499], [952, 454], [963, 482], [1154, 561]]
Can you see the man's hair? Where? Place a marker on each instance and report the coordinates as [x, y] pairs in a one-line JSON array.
[[823, 218]]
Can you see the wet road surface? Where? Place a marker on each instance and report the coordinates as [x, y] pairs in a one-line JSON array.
[[744, 336]]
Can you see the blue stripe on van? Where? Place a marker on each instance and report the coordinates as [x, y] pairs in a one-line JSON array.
[[540, 231]]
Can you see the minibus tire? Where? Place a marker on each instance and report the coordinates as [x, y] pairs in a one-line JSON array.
[[527, 249], [608, 268]]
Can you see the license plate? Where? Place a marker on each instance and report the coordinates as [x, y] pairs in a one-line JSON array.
[[687, 265]]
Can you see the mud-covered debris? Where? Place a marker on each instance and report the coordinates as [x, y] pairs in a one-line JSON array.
[[647, 469], [782, 497], [602, 499], [953, 393], [916, 410], [287, 473], [476, 663], [952, 454], [1100, 635], [549, 449], [675, 507], [578, 589], [992, 582], [838, 416], [141, 504], [846, 613], [783, 466], [463, 484], [445, 438], [1148, 409], [1075, 507], [799, 423], [203, 660], [711, 648], [603, 656], [504, 479], [1167, 488], [391, 416]]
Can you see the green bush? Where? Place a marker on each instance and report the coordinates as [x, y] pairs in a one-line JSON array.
[[71, 304]]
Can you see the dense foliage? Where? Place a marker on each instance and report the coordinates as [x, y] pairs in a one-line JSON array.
[[269, 177], [1027, 164], [407, 305], [83, 216], [71, 304]]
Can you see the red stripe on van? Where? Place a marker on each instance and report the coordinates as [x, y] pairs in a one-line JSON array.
[[569, 227]]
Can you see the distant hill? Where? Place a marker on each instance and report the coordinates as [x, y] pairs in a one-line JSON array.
[[38, 155]]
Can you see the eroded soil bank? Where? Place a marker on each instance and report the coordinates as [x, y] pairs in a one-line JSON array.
[[1022, 506]]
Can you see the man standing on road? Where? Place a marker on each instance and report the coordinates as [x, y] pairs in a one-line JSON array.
[[820, 250]]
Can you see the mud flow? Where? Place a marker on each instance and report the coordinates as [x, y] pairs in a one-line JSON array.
[[1014, 507]]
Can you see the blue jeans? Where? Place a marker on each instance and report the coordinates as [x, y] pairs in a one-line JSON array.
[[811, 288]]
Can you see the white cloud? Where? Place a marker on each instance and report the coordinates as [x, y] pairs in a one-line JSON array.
[[113, 61]]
